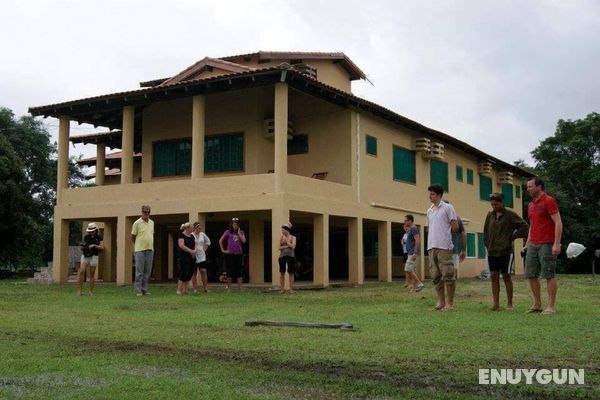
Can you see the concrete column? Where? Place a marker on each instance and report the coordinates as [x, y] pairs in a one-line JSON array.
[[384, 236], [170, 255], [124, 250], [62, 175], [100, 163], [321, 250], [127, 145], [280, 216], [423, 246], [198, 133], [60, 252], [356, 267], [106, 256], [257, 250], [281, 129]]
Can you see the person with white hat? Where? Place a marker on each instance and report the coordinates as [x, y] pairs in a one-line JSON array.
[[90, 247], [287, 244]]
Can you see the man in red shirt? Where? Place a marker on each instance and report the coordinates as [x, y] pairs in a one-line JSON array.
[[543, 244]]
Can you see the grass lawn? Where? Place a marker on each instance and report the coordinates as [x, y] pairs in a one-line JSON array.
[[115, 345]]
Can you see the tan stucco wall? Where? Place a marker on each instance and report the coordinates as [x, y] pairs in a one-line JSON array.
[[377, 184]]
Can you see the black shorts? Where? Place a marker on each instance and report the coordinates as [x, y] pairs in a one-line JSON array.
[[233, 265], [291, 264], [499, 263], [201, 265]]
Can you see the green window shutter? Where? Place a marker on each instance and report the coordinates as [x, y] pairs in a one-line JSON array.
[[371, 145], [470, 244], [439, 173], [469, 176], [404, 165], [485, 187], [480, 246], [507, 192], [172, 158], [224, 153], [459, 173], [517, 191]]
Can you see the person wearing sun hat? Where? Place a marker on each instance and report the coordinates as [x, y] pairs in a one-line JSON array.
[[91, 245], [287, 244]]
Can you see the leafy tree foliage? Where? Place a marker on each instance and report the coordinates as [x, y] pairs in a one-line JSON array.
[[569, 163], [28, 190]]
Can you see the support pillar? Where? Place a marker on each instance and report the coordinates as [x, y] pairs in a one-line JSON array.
[[106, 256], [127, 145], [384, 236], [124, 250], [198, 133], [280, 216], [170, 255], [280, 134], [62, 173], [60, 253], [257, 249], [100, 163], [321, 250], [356, 268]]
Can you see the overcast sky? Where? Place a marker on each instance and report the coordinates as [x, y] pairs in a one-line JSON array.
[[495, 74]]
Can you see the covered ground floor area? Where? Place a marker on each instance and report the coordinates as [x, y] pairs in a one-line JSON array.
[[330, 248]]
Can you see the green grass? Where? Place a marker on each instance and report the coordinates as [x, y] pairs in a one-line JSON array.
[[115, 345]]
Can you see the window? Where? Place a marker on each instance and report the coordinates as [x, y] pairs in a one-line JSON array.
[[172, 158], [469, 176], [404, 165], [439, 173], [517, 191], [298, 144], [470, 244], [224, 153], [459, 173], [480, 246], [507, 192], [485, 187], [371, 145]]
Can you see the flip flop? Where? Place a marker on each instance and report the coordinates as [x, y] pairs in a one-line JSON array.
[[534, 310], [548, 312]]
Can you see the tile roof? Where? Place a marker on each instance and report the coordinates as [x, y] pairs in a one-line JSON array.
[[113, 103], [202, 65], [111, 159]]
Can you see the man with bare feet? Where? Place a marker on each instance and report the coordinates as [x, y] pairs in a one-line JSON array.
[[543, 245], [500, 229], [441, 222]]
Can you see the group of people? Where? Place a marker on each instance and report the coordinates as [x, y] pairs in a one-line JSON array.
[[446, 246], [501, 228]]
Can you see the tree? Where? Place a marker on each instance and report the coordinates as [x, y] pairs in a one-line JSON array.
[[569, 163], [28, 190]]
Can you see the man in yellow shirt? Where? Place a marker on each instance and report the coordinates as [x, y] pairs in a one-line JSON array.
[[142, 235]]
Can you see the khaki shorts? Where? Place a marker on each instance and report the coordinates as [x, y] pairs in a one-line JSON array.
[[539, 260], [410, 265], [441, 267], [92, 261]]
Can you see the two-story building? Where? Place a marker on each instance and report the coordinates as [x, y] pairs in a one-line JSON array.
[[270, 137]]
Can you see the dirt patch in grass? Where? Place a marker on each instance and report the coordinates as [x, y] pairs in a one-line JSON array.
[[405, 374]]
